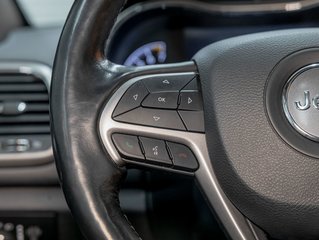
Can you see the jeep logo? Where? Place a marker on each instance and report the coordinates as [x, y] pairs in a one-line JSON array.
[[300, 99], [306, 103]]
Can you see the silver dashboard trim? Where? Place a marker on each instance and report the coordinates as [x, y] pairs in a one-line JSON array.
[[235, 223], [44, 73]]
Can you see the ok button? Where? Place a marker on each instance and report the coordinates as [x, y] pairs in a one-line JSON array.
[[165, 100]]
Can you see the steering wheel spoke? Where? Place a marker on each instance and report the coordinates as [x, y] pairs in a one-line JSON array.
[[142, 126], [148, 121]]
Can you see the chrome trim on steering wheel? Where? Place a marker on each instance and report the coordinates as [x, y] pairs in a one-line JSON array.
[[234, 222]]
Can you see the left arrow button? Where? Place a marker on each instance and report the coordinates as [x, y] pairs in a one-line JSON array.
[[131, 99]]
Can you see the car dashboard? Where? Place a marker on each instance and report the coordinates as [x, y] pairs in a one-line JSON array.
[[146, 33], [173, 31]]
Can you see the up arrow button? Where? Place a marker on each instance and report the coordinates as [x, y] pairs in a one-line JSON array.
[[173, 82]]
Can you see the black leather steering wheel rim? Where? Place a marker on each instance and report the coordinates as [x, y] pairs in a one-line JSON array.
[[92, 192], [96, 191]]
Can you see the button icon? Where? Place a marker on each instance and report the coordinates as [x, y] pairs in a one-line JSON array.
[[22, 106], [135, 97], [182, 155], [34, 232], [156, 118], [129, 145], [161, 99], [8, 227], [155, 150], [189, 100], [166, 82]]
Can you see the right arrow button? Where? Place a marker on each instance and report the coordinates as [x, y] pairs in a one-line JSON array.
[[190, 100]]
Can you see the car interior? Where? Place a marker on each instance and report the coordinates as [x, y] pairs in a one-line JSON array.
[[159, 119]]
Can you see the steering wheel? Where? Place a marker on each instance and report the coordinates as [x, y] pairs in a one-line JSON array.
[[241, 117]]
